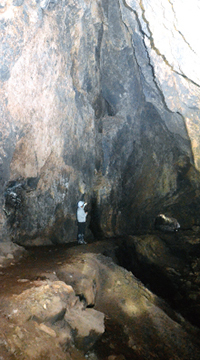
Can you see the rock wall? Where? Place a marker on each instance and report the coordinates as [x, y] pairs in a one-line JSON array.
[[97, 99]]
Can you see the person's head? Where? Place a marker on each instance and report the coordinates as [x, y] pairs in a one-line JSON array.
[[81, 204]]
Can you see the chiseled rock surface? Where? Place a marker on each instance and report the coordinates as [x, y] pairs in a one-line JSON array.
[[97, 98]]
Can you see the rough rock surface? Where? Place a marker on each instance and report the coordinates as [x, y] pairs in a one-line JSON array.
[[48, 320], [152, 329], [169, 265], [98, 98], [41, 316]]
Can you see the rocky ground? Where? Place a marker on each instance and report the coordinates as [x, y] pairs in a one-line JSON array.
[[76, 302]]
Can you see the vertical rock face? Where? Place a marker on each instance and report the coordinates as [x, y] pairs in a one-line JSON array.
[[48, 123], [98, 98]]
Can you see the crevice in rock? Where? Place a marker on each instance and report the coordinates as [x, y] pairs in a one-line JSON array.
[[95, 219]]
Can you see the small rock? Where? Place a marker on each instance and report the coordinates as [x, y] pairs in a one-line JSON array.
[[47, 330], [10, 256]]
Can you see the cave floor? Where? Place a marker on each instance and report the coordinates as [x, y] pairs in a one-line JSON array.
[[41, 263], [30, 269]]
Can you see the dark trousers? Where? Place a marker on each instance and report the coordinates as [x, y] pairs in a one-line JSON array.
[[81, 229]]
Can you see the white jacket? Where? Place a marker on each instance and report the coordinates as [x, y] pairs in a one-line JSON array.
[[81, 214]]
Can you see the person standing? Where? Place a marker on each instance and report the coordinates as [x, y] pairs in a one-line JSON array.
[[81, 219]]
